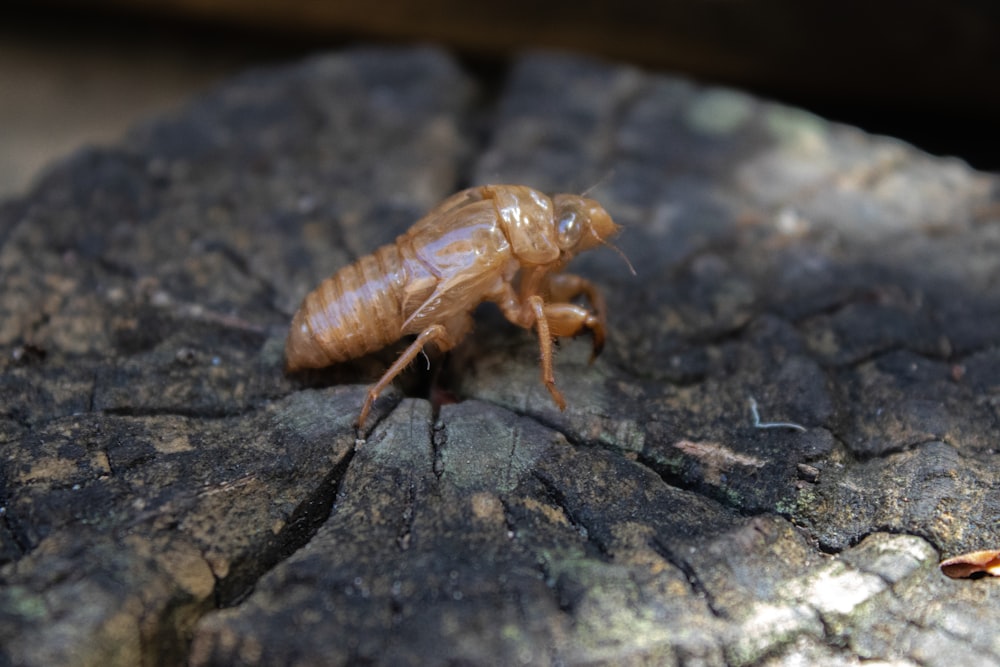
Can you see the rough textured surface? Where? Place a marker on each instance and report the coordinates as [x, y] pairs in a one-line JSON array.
[[169, 495]]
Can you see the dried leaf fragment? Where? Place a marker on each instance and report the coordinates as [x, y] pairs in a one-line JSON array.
[[972, 563]]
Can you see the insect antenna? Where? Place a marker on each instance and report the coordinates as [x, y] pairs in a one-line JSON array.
[[607, 176], [620, 253]]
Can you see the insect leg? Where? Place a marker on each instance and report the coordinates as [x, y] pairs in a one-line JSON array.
[[568, 319], [436, 333], [528, 313], [567, 286], [537, 307], [564, 287]]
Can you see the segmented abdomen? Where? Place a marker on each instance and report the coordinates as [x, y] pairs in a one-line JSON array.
[[352, 313]]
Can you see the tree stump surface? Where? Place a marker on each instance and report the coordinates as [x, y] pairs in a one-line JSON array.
[[170, 496]]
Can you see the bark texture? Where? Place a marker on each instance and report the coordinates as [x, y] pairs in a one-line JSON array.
[[169, 495]]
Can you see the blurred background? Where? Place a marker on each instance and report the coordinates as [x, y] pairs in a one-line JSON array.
[[81, 72]]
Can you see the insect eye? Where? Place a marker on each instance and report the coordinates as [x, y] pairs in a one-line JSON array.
[[569, 228]]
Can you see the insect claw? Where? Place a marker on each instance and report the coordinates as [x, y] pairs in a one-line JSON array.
[[598, 346], [365, 409], [556, 395], [597, 332]]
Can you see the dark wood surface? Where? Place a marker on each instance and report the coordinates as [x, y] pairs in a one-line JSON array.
[[169, 495]]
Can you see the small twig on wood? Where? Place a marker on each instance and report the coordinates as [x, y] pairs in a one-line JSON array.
[[757, 423]]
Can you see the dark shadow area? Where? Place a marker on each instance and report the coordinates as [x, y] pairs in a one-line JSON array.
[[941, 127]]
